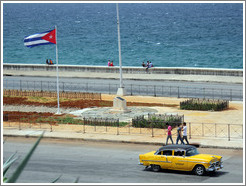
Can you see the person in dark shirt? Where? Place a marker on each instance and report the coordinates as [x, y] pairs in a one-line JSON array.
[[49, 62], [147, 66], [179, 135]]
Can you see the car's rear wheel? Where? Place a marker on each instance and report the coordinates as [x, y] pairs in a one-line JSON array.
[[155, 168], [199, 170]]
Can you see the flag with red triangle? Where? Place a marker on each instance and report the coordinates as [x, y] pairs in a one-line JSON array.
[[44, 38]]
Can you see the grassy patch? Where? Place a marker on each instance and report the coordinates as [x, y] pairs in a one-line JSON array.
[[105, 103], [59, 120], [40, 99], [47, 99]]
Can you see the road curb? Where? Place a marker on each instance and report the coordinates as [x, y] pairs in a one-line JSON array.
[[221, 147], [115, 141]]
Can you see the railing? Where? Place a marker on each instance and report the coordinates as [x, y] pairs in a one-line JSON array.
[[217, 130], [101, 124], [113, 126], [81, 95], [132, 89]]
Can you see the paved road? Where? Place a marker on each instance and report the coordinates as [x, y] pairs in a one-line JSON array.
[[212, 90], [108, 163]]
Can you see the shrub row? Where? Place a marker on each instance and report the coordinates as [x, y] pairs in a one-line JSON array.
[[157, 121], [204, 104]]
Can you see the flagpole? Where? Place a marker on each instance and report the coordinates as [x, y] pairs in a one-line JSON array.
[[121, 91], [119, 46], [57, 75]]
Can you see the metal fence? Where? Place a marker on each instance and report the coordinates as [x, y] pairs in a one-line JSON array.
[[113, 126], [81, 95], [216, 130], [132, 89]]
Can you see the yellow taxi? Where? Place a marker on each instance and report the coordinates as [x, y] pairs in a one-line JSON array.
[[181, 157]]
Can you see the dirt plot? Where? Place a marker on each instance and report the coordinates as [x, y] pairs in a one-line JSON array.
[[233, 115], [16, 116], [71, 103]]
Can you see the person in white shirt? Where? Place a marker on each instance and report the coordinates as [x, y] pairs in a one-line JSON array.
[[185, 133]]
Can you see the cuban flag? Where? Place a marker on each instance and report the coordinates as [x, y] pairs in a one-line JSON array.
[[44, 38]]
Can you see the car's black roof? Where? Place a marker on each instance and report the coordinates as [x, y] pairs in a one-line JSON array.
[[174, 147]]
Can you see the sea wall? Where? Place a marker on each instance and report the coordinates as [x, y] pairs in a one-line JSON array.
[[126, 69]]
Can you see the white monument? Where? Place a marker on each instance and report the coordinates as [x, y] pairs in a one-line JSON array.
[[119, 105]]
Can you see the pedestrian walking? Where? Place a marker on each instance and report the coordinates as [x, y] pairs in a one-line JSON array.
[[179, 135], [169, 133], [184, 129]]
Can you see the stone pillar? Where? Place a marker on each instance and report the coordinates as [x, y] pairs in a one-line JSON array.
[[119, 104]]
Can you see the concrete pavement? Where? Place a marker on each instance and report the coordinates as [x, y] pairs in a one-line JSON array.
[[136, 76], [122, 138]]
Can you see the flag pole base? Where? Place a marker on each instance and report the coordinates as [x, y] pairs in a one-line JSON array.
[[58, 113], [121, 91]]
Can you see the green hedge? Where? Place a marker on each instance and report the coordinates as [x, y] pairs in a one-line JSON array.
[[157, 122], [204, 104]]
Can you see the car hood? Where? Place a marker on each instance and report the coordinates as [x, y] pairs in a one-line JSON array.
[[207, 157]]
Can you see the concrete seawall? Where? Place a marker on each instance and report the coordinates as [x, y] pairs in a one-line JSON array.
[[126, 70]]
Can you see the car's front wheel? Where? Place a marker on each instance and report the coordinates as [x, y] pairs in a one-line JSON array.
[[199, 170], [155, 168]]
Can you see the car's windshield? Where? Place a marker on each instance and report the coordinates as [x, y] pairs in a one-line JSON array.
[[192, 152]]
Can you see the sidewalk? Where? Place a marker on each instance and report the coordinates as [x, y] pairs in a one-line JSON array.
[[140, 76], [122, 138]]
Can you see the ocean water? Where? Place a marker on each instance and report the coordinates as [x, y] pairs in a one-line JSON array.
[[207, 35]]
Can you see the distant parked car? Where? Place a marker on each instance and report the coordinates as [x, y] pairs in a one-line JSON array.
[[181, 157]]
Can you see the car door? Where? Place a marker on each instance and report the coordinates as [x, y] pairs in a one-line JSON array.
[[161, 159], [178, 161], [167, 155]]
